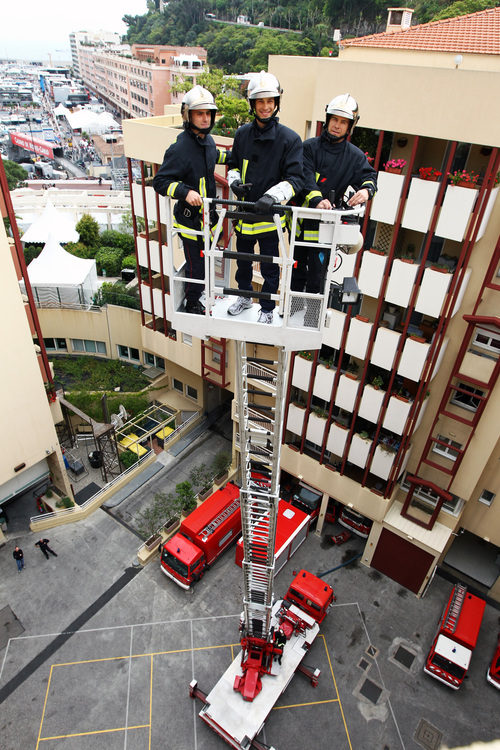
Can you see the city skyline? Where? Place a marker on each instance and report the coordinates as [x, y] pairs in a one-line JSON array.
[[45, 35]]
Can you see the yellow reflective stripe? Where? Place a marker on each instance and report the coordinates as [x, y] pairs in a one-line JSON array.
[[184, 231], [171, 189], [222, 158], [244, 170], [316, 176], [203, 187], [259, 227], [312, 194], [311, 235]]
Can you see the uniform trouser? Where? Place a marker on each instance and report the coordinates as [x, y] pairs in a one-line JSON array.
[[309, 273], [268, 245], [195, 267]]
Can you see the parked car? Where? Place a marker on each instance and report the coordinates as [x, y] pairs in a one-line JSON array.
[[355, 522]]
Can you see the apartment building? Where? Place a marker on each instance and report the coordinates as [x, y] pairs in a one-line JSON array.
[[395, 417], [80, 39], [31, 456], [136, 81]]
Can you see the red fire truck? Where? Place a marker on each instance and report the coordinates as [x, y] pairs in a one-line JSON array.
[[493, 673], [456, 638], [292, 528], [202, 537]]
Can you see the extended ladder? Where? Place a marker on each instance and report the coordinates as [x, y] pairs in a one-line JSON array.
[[260, 427], [210, 527], [453, 613]]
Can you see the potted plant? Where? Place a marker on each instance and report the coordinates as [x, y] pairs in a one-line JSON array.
[[429, 173], [395, 166], [352, 370], [463, 178], [220, 465], [306, 355], [378, 250], [364, 435], [202, 476], [186, 496], [377, 382]]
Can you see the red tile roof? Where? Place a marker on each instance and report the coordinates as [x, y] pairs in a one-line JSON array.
[[476, 33]]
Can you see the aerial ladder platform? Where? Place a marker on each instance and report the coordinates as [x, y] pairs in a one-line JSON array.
[[237, 706]]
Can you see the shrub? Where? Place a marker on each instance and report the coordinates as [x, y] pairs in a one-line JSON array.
[[117, 294], [88, 229], [162, 509], [31, 252], [109, 259], [128, 459], [121, 240], [221, 463], [129, 261], [186, 496], [80, 250]]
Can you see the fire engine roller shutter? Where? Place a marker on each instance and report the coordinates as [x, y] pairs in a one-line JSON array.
[[401, 560]]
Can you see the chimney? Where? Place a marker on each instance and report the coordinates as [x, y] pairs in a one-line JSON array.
[[398, 19]]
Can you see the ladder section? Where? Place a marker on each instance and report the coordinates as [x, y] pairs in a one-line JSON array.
[[260, 444], [451, 619], [210, 528]]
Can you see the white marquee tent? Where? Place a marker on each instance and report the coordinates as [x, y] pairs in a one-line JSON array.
[[59, 278], [51, 222]]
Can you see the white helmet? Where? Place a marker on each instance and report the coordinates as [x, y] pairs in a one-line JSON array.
[[198, 98], [262, 86], [343, 105]]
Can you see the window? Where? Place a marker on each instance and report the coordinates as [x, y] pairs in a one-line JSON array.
[[89, 346], [187, 339], [429, 499], [153, 361], [191, 392], [486, 497], [128, 352], [57, 344], [487, 340], [447, 447], [470, 399], [178, 386]]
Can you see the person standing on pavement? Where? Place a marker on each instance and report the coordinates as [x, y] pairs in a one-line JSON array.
[[44, 546], [19, 558], [187, 173], [331, 163], [265, 167]]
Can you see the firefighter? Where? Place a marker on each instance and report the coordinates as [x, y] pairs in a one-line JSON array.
[[331, 163], [279, 642], [187, 174], [266, 168]]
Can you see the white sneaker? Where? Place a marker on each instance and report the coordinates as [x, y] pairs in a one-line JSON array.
[[242, 303], [265, 316]]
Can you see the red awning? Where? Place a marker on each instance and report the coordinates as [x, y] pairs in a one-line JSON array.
[[30, 143]]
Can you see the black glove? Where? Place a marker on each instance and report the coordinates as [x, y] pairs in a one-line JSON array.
[[264, 204], [240, 189]]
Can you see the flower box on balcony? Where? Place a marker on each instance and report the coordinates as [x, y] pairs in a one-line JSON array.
[[384, 348], [420, 204], [382, 461], [323, 382], [358, 337], [432, 292], [455, 212], [346, 392], [301, 373], [316, 428], [337, 439], [295, 421], [386, 200], [372, 272], [371, 403], [413, 359], [359, 450], [396, 414], [487, 212], [401, 280]]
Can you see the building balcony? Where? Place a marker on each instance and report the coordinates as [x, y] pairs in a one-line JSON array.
[[455, 212], [332, 336], [359, 450], [401, 281], [433, 289], [371, 273], [371, 403], [316, 428], [420, 204], [358, 337], [347, 391], [413, 358], [386, 200], [301, 373], [157, 305], [323, 382], [295, 421], [382, 462], [384, 348], [396, 414]]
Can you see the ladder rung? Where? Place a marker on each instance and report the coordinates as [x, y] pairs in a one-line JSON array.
[[261, 361]]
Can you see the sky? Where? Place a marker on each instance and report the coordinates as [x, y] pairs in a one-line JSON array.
[[34, 30]]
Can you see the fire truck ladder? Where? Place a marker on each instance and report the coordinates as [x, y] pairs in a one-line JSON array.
[[260, 444], [210, 527], [451, 619]]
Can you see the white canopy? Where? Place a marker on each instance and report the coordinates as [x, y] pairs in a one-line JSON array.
[[57, 277], [61, 110], [51, 222], [91, 122]]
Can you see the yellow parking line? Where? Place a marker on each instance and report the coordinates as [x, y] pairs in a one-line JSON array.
[[336, 690], [139, 656], [44, 706], [312, 703], [96, 731]]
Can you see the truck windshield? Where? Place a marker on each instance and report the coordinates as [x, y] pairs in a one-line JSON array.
[[174, 563], [448, 666], [309, 499]]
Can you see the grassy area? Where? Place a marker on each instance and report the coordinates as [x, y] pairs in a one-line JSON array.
[[90, 374], [90, 403]]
